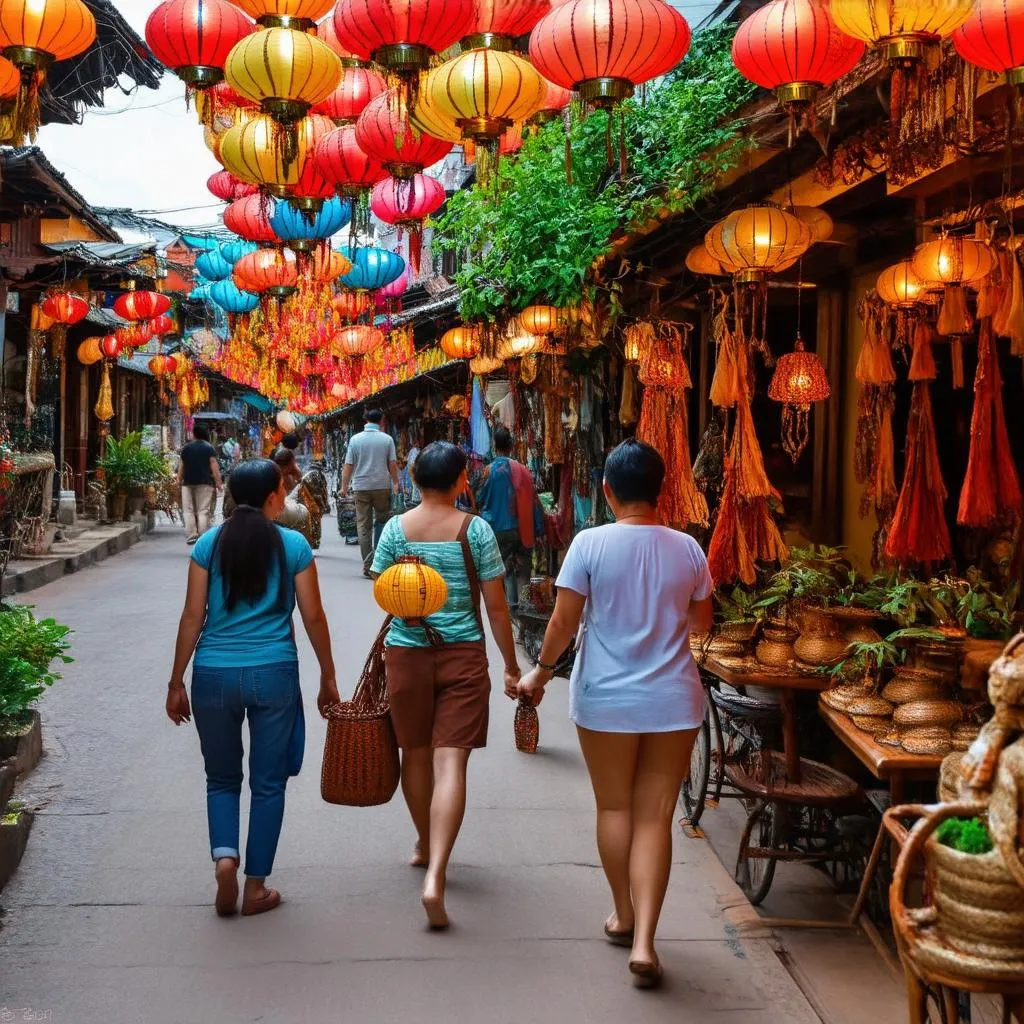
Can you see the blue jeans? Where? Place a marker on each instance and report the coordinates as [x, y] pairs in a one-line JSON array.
[[221, 699]]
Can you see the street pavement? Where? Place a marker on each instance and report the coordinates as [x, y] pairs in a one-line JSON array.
[[109, 919]]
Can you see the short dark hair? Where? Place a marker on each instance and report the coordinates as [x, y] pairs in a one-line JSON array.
[[283, 456], [502, 440], [200, 433], [439, 466], [635, 472], [290, 440], [374, 415]]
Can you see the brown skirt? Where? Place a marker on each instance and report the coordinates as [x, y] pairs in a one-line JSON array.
[[440, 696]]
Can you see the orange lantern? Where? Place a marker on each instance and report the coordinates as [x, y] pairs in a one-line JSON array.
[[358, 340], [89, 351], [757, 241], [799, 379], [900, 286], [410, 590], [546, 320], [484, 365], [351, 304], [272, 271], [461, 342]]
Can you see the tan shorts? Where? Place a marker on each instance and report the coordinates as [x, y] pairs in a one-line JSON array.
[[440, 697]]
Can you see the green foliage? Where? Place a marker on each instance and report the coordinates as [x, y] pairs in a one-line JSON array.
[[128, 463], [870, 657], [968, 835], [737, 605], [532, 236], [28, 647]]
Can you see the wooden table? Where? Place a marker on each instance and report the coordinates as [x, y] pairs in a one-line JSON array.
[[887, 764], [750, 673]]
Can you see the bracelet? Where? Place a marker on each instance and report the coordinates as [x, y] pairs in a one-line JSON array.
[[547, 668]]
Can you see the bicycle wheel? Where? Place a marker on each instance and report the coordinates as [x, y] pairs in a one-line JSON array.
[[754, 875], [695, 785]]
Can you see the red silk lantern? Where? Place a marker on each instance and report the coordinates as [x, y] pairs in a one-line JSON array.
[[358, 87], [603, 48], [65, 307], [341, 160], [358, 340], [272, 271], [312, 187], [224, 185], [327, 33], [193, 38], [110, 346], [407, 204], [161, 325], [385, 133], [794, 48], [556, 99], [497, 22], [134, 335], [350, 305], [992, 38], [402, 35], [161, 366], [249, 218], [141, 305]]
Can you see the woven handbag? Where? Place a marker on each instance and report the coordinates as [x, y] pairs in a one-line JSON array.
[[361, 765]]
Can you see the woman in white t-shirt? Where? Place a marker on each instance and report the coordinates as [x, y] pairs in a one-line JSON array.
[[635, 695]]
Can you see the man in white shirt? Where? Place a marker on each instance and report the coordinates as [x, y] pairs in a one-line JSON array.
[[371, 472]]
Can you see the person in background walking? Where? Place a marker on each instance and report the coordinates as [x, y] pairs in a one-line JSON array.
[[243, 582], [314, 496], [294, 515], [507, 499], [440, 692], [199, 477], [371, 472], [635, 694]]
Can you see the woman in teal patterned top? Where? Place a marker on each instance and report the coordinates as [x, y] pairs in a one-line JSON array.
[[440, 694]]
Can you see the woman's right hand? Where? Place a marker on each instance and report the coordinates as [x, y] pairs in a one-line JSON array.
[[531, 686], [328, 695]]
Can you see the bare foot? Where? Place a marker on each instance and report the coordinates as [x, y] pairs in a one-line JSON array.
[[418, 859], [433, 904], [617, 932], [226, 902], [258, 899]]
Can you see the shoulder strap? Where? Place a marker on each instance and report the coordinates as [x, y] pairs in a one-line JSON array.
[[471, 574]]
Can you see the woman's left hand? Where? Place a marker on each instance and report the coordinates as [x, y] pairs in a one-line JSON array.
[[531, 686], [328, 696], [178, 709], [512, 682]]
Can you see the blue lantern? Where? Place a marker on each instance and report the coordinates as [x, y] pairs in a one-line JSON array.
[[371, 268], [232, 252], [200, 291], [213, 266], [231, 298], [299, 230]]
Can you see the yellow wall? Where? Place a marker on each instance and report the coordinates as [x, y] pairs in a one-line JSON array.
[[69, 229], [857, 532]]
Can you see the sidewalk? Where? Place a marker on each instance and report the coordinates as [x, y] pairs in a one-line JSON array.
[[108, 919]]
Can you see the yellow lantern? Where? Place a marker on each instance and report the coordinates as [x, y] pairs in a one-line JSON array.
[[410, 590], [953, 260], [900, 29], [299, 14], [326, 265], [89, 351], [900, 286], [757, 241], [700, 261], [518, 343], [427, 116], [820, 223], [485, 91], [256, 153], [545, 319], [461, 342], [284, 71]]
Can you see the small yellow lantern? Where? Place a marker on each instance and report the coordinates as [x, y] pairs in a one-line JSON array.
[[900, 286], [89, 351], [410, 590], [546, 320], [461, 342], [757, 241]]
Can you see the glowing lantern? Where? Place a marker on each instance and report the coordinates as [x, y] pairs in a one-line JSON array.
[[224, 185], [358, 87], [284, 71], [461, 342], [34, 34], [401, 35], [545, 320], [194, 37], [110, 346], [604, 48], [232, 299], [407, 203], [384, 132], [141, 305], [799, 380], [89, 351], [900, 286], [556, 99], [901, 31], [757, 241], [303, 232], [301, 15], [817, 220], [518, 343], [793, 48], [358, 340], [410, 590], [267, 270], [954, 261], [248, 218], [700, 261], [65, 307], [255, 151], [992, 38], [213, 266], [497, 23]]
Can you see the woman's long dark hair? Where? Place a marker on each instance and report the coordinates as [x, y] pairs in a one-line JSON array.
[[249, 544]]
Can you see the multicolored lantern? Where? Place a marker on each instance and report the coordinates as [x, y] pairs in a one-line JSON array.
[[406, 204], [194, 37]]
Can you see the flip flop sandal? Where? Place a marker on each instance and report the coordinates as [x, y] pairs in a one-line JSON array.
[[268, 901], [619, 938], [645, 974]]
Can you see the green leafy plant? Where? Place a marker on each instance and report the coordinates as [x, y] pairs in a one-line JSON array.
[[127, 463], [533, 236], [737, 605], [984, 612], [28, 648], [968, 835], [871, 657]]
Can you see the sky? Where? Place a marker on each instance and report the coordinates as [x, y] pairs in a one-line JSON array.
[[146, 151]]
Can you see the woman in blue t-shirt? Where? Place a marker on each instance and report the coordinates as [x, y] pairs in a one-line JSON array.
[[243, 583]]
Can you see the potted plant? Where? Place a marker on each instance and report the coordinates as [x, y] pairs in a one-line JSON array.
[[737, 614], [128, 467]]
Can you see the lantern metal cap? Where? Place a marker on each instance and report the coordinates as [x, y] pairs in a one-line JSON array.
[[487, 41], [1015, 77], [306, 204], [797, 93], [403, 171], [28, 58], [403, 57], [285, 112], [483, 129], [303, 245], [286, 21], [906, 50], [281, 291], [200, 76], [605, 92]]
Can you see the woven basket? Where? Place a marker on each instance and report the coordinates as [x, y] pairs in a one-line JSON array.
[[873, 725], [964, 735], [869, 704], [361, 765], [903, 691], [526, 726], [932, 740], [841, 697], [920, 713]]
